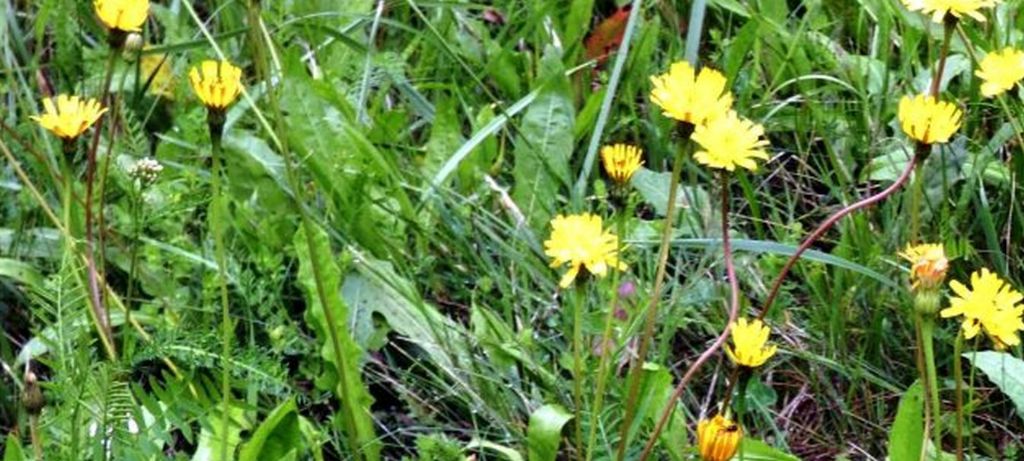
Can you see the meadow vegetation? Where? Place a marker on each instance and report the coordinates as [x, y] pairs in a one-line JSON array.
[[450, 230]]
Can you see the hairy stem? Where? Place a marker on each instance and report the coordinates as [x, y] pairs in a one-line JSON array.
[[927, 333]]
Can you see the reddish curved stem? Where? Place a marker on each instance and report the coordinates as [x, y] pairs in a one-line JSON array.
[[828, 223], [734, 302]]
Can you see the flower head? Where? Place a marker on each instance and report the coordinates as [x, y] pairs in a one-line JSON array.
[[70, 116], [928, 120], [1001, 70], [718, 438], [145, 170], [730, 141], [990, 305], [690, 97], [122, 15], [217, 83], [155, 68], [621, 161], [750, 344], [928, 265], [943, 9], [580, 242]]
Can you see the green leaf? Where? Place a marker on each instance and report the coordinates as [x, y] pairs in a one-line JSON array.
[[13, 450], [656, 390], [654, 188], [353, 397], [212, 437], [762, 246], [1005, 371], [756, 450], [544, 434], [543, 150], [278, 437], [508, 453], [906, 438]]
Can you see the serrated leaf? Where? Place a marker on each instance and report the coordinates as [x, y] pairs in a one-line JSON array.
[[352, 394]]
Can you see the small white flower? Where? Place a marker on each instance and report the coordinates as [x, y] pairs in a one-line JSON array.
[[145, 170]]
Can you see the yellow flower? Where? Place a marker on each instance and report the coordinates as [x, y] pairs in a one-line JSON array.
[[70, 117], [123, 15], [621, 161], [928, 265], [729, 142], [939, 9], [582, 243], [155, 68], [690, 97], [990, 305], [718, 438], [1001, 70], [927, 120], [750, 341], [217, 83]]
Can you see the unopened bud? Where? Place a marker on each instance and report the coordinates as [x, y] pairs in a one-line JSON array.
[[32, 397], [133, 42]]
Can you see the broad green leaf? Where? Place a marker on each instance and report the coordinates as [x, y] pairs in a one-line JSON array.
[[353, 396], [278, 437], [212, 437], [21, 272], [906, 438], [544, 434], [445, 136], [13, 450], [545, 144], [756, 450], [1005, 371]]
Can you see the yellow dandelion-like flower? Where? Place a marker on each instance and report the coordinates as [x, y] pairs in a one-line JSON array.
[[155, 68], [621, 161], [928, 265], [729, 141], [123, 15], [1000, 70], [941, 9], [718, 438], [990, 305], [928, 120], [750, 344], [690, 97], [216, 83], [581, 242], [70, 116]]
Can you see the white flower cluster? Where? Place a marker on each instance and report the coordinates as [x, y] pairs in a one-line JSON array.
[[145, 170]]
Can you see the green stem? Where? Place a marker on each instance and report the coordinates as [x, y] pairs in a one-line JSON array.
[[607, 352], [636, 368], [577, 361], [216, 218], [741, 400], [958, 375], [927, 333]]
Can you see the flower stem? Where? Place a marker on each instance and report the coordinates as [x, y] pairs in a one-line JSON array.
[[927, 333], [828, 223], [216, 217], [607, 352], [577, 362], [636, 367], [734, 303], [958, 375]]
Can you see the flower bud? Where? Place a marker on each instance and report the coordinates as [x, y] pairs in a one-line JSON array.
[[718, 438], [133, 42]]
